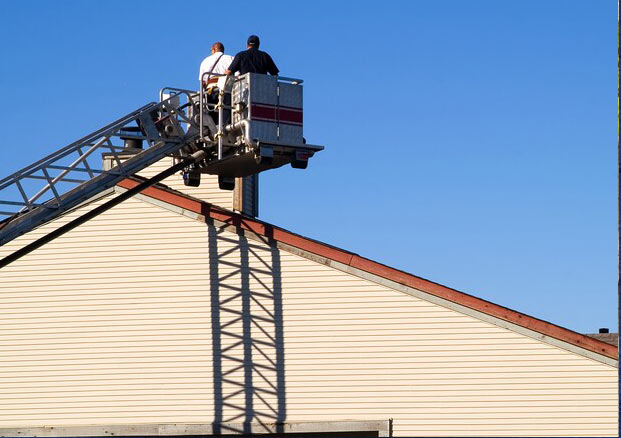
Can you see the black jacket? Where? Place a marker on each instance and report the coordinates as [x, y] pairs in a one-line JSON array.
[[253, 61]]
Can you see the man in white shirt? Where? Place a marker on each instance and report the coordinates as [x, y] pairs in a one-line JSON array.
[[217, 62]]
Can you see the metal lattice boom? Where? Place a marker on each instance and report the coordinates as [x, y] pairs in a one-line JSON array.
[[70, 179]]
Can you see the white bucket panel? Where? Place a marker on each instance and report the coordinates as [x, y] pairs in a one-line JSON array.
[[263, 89], [290, 95]]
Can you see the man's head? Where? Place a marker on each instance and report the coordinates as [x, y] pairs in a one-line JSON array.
[[217, 47], [253, 41]]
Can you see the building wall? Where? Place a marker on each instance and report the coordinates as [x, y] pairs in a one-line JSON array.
[[244, 198], [207, 191], [142, 315]]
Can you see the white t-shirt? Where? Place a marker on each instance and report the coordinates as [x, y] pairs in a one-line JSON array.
[[222, 65]]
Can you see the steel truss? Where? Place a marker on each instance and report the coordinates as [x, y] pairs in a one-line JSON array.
[[70, 176]]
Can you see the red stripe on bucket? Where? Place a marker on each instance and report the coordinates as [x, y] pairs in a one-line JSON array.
[[272, 113]]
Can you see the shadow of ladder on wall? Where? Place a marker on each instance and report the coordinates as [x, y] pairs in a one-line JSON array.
[[247, 334]]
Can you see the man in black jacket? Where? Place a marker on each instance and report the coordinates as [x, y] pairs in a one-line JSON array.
[[252, 60]]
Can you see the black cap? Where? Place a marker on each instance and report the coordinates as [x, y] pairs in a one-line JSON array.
[[253, 41]]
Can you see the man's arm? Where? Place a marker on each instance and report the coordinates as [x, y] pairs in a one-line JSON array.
[[202, 70], [271, 67], [234, 67]]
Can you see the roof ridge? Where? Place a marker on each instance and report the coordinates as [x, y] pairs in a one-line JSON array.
[[182, 200]]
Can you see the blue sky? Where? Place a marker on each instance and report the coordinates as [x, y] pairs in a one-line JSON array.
[[470, 143]]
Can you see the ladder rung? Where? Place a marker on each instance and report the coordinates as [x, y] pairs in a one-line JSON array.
[[21, 204], [79, 169], [109, 146], [78, 181]]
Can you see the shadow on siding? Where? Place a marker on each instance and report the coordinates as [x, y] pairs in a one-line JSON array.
[[247, 333]]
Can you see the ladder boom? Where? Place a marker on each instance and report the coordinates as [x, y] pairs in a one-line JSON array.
[[35, 205]]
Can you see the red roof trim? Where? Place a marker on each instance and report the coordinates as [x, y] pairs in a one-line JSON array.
[[355, 261]]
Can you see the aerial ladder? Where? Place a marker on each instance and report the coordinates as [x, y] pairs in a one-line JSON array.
[[251, 124]]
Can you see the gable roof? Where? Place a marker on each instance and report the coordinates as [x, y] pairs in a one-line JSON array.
[[211, 212]]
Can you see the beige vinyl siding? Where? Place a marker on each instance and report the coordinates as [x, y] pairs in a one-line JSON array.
[[207, 191], [145, 316]]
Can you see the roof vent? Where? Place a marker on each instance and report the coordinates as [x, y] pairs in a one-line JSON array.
[[604, 330]]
